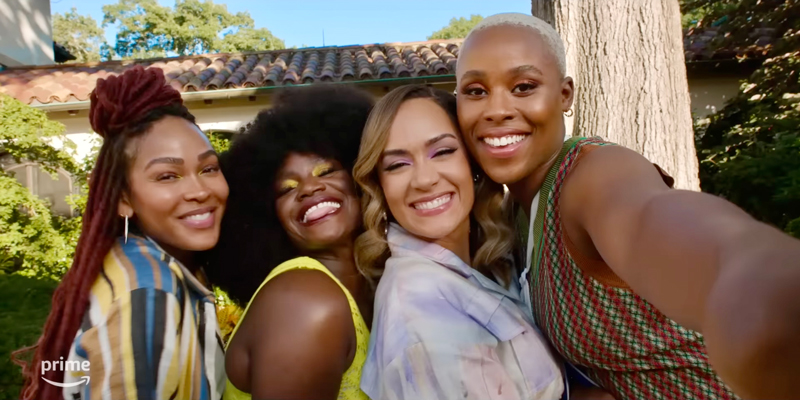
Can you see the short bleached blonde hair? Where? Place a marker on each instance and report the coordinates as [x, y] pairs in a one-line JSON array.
[[550, 35]]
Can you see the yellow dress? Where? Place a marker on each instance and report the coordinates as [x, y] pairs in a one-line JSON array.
[[349, 389]]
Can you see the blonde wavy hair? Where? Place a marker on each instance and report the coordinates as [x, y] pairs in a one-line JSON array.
[[492, 239]]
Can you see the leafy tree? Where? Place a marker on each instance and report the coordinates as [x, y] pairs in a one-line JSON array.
[[457, 29], [749, 151], [147, 28], [220, 140], [80, 35], [32, 240]]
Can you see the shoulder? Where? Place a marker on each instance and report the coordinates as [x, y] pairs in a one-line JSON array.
[[302, 297], [612, 171], [139, 264]]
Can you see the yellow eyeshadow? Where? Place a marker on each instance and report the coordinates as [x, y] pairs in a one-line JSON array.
[[321, 169], [289, 184]]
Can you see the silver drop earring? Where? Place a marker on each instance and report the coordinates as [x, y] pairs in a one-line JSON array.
[[126, 229], [385, 224]]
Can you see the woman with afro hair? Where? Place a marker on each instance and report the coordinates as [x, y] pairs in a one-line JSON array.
[[287, 247], [133, 312]]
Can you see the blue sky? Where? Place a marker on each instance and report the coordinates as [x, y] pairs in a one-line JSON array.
[[301, 22]]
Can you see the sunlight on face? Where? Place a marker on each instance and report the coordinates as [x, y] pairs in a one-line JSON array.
[[425, 173]]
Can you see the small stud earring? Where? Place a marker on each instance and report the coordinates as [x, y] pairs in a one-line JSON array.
[[569, 113]]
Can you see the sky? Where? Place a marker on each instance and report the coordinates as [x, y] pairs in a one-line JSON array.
[[302, 22]]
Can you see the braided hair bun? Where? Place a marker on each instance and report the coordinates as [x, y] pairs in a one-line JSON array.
[[121, 101]]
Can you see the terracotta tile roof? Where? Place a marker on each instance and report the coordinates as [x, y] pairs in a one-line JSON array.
[[714, 44], [73, 82]]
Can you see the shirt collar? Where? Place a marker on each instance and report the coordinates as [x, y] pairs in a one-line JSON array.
[[191, 280], [403, 243]]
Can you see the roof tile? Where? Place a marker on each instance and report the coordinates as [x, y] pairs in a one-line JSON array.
[[73, 82]]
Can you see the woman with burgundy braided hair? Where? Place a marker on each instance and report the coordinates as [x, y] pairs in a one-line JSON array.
[[134, 312]]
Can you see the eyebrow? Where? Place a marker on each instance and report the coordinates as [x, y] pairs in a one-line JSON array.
[[206, 154], [400, 152], [525, 68], [164, 160], [179, 161], [514, 71]]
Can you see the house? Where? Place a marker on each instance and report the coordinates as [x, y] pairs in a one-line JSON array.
[[26, 35], [226, 91]]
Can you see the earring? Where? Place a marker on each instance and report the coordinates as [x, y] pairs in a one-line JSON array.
[[569, 113], [475, 178], [126, 229], [385, 224]]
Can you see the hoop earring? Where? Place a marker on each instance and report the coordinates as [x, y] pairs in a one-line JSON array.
[[569, 113], [385, 224], [126, 229]]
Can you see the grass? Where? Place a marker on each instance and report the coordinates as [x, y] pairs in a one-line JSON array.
[[24, 305]]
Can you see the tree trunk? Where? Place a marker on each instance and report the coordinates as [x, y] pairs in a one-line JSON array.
[[626, 57]]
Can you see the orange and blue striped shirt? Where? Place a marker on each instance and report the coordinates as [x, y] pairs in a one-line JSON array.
[[150, 331]]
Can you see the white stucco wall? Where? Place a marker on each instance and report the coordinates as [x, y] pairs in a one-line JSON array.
[[707, 96], [26, 34]]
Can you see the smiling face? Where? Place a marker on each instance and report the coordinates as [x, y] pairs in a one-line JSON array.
[[511, 100], [316, 202], [177, 193], [425, 173]]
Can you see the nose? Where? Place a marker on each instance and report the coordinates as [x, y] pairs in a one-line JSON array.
[[309, 187], [499, 107], [424, 177], [198, 190]]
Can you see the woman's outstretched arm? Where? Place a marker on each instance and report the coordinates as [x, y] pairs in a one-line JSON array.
[[699, 259]]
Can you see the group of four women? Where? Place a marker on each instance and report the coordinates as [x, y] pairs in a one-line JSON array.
[[378, 256]]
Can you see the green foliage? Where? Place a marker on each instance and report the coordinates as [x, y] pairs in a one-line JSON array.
[[457, 29], [749, 151], [220, 140], [148, 29], [27, 134], [79, 34], [33, 240], [24, 305]]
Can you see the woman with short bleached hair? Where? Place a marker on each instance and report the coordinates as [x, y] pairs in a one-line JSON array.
[[450, 321], [643, 287]]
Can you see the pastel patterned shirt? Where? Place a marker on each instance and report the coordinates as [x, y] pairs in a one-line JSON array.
[[442, 330]]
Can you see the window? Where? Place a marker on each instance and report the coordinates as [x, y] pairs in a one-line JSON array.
[[42, 184]]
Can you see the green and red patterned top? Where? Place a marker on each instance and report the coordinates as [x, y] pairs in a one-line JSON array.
[[597, 323]]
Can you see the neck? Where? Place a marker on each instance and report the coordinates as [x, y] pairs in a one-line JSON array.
[[525, 189], [458, 242], [340, 260], [185, 257]]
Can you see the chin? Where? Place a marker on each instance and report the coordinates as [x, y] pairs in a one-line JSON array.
[[201, 244]]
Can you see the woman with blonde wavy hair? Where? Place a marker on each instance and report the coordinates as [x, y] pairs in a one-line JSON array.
[[449, 318]]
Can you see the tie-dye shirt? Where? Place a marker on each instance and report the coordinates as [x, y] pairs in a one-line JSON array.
[[442, 330], [150, 331]]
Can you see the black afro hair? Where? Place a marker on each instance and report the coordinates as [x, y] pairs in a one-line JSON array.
[[325, 120]]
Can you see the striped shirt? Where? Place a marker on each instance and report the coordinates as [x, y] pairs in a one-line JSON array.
[[442, 330], [150, 331]]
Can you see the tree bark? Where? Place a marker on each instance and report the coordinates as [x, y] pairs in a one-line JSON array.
[[626, 57]]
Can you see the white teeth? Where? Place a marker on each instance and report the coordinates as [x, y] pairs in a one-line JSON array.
[[199, 217], [503, 141], [437, 202], [320, 205]]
